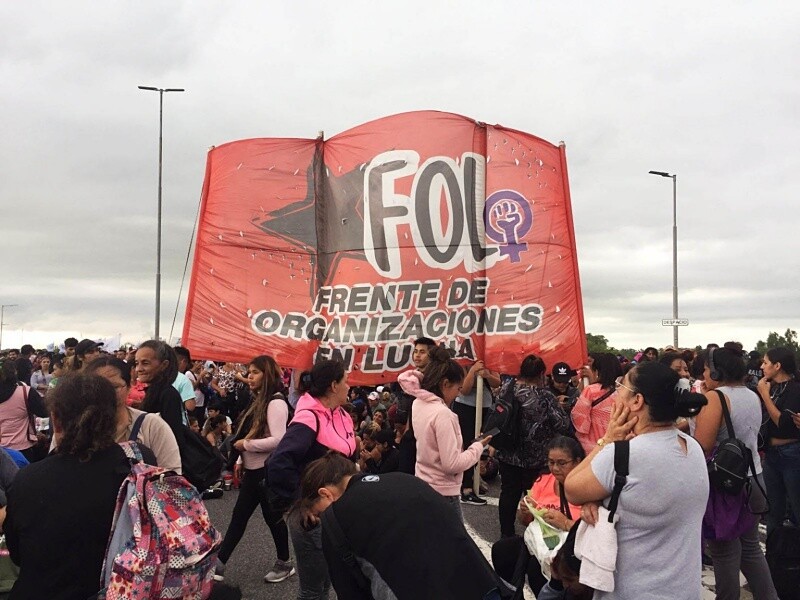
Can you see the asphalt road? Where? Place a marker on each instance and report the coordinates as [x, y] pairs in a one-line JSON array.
[[256, 552]]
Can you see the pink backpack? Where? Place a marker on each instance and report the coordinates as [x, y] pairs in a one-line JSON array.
[[162, 543]]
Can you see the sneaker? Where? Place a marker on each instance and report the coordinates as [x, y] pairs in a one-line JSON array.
[[472, 498], [212, 494], [280, 570], [219, 571]]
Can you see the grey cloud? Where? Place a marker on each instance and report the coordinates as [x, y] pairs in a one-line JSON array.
[[659, 85]]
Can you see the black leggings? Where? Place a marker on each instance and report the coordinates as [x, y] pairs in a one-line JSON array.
[[514, 481], [251, 494], [510, 558]]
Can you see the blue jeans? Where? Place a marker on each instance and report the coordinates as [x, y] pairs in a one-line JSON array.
[[312, 570], [782, 478]]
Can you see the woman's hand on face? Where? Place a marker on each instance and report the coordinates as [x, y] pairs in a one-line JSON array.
[[556, 519], [239, 445], [621, 425], [589, 513], [764, 386], [524, 515]]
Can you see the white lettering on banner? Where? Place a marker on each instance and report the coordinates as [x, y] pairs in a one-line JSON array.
[[461, 241], [385, 317]]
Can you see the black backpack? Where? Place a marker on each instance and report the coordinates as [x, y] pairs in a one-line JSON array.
[[783, 558], [506, 416], [201, 463], [728, 468]]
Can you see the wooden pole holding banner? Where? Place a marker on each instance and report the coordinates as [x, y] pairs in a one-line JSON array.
[[476, 476]]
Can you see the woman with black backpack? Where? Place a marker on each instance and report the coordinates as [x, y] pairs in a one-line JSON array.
[[724, 373], [320, 424], [260, 429]]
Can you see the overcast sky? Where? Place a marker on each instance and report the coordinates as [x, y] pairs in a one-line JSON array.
[[707, 90]]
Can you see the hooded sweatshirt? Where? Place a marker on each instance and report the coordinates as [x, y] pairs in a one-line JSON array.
[[313, 431], [440, 460]]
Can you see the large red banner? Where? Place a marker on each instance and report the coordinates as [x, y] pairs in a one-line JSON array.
[[418, 224]]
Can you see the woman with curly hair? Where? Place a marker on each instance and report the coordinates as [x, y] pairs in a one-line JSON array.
[[260, 429], [69, 497]]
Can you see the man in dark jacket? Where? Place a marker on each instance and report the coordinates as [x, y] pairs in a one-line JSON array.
[[562, 387], [407, 543]]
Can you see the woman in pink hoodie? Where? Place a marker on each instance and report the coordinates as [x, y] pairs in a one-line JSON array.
[[440, 460]]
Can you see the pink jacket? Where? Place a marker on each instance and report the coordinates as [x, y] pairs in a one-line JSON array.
[[15, 428], [440, 460], [334, 427], [591, 422]]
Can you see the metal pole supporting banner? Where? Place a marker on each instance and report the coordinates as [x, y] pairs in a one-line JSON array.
[[476, 476], [158, 247]]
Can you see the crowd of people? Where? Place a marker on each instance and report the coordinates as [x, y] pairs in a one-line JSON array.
[[320, 458]]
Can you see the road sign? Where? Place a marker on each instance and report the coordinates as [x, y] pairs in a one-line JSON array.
[[674, 322]]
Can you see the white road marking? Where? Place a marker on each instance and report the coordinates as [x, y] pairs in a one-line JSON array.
[[486, 549]]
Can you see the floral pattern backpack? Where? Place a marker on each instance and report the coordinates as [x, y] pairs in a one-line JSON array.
[[162, 543]]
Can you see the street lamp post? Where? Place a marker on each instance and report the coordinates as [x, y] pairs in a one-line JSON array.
[[2, 313], [674, 178], [160, 154]]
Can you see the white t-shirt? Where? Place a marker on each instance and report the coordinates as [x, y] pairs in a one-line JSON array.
[[660, 513], [471, 399], [199, 396], [745, 417]]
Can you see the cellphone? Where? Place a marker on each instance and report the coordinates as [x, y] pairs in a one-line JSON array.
[[794, 414], [491, 432]]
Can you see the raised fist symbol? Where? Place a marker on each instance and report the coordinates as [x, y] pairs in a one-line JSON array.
[[508, 217]]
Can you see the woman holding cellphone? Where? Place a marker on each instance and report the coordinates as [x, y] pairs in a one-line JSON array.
[[779, 391]]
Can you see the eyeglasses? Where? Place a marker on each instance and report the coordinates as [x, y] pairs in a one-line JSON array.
[[559, 463], [619, 384]]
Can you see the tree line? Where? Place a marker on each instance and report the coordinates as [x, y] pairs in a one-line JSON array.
[[599, 343]]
